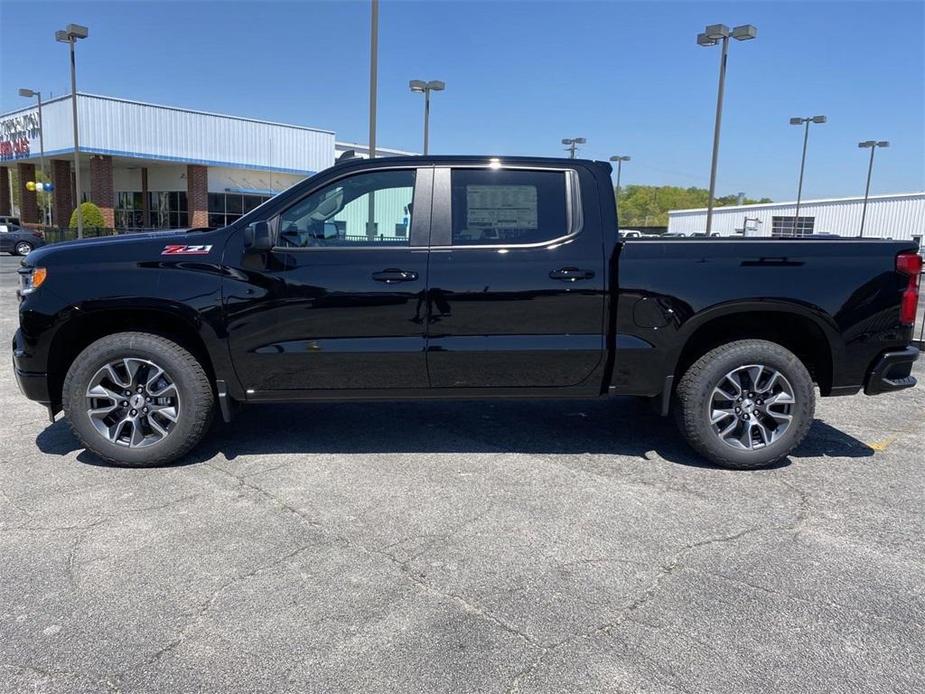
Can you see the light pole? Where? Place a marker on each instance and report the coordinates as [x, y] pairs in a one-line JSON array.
[[426, 88], [29, 93], [619, 159], [872, 145], [571, 145], [804, 122], [70, 35], [713, 34], [373, 73], [373, 98]]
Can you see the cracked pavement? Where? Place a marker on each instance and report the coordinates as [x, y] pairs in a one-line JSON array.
[[463, 547]]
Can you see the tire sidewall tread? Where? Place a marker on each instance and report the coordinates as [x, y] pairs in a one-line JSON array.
[[696, 387], [196, 397]]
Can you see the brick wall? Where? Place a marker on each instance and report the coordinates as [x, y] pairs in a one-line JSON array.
[[64, 192], [6, 204], [101, 193], [30, 208], [197, 195]]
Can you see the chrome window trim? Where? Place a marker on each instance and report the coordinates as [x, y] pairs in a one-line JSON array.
[[574, 218], [275, 220]]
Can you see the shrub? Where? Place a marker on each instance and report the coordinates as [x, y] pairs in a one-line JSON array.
[[91, 214]]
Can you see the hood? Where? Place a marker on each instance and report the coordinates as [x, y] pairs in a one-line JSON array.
[[97, 244]]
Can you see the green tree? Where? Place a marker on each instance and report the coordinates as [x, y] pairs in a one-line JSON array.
[[91, 214], [649, 205]]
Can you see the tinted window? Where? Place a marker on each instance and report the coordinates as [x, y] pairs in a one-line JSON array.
[[508, 207], [366, 209]]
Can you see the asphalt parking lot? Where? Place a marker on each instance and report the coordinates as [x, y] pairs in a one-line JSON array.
[[463, 547]]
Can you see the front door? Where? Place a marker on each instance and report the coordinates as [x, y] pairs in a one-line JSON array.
[[338, 303], [516, 282]]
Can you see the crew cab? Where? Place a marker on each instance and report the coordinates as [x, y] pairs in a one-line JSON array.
[[458, 277]]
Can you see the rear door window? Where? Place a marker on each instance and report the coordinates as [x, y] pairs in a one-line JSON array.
[[507, 207]]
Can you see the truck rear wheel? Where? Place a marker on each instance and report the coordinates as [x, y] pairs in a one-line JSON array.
[[746, 404], [137, 399]]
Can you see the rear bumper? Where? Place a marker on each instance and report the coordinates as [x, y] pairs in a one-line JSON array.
[[891, 372]]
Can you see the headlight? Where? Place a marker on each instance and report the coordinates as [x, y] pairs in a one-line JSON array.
[[31, 278]]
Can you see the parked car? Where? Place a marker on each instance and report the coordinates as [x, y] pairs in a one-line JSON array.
[[470, 278], [10, 220], [18, 241]]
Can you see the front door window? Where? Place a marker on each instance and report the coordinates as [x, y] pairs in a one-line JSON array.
[[368, 209]]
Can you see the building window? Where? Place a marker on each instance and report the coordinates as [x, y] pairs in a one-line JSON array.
[[167, 210], [129, 211], [792, 226], [225, 208]]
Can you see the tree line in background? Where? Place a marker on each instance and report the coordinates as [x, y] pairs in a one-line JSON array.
[[649, 205]]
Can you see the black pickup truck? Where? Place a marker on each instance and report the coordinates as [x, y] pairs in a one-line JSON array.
[[457, 277]]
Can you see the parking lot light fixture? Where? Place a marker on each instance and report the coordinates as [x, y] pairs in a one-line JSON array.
[[425, 88], [571, 145], [872, 145], [804, 122], [619, 159], [29, 94], [70, 35], [712, 35]]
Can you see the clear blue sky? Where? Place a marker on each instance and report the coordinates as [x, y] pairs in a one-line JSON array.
[[522, 75]]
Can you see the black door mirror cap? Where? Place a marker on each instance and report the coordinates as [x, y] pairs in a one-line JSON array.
[[257, 237]]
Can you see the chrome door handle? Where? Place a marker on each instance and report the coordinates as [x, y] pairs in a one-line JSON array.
[[392, 275], [571, 274]]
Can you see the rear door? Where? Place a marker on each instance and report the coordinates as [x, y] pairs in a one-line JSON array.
[[516, 281]]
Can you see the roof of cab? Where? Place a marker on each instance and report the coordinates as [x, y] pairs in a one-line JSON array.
[[451, 159]]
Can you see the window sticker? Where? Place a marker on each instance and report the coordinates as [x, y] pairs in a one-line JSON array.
[[501, 207]]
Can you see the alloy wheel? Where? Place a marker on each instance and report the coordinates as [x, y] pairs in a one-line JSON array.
[[133, 402], [751, 407]]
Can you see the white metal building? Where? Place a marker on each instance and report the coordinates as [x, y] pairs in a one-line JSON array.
[[152, 166], [898, 216]]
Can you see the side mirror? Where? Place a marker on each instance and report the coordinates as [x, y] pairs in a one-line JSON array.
[[257, 237]]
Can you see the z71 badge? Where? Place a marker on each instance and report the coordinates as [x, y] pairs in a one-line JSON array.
[[181, 249]]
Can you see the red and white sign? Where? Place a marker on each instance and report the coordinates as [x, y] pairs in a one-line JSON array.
[[183, 249]]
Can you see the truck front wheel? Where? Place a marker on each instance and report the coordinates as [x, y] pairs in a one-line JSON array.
[[745, 404], [137, 399]]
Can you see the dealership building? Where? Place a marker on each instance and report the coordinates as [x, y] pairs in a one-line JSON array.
[[900, 216], [150, 166]]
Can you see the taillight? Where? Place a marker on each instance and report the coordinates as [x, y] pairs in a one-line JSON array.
[[910, 264]]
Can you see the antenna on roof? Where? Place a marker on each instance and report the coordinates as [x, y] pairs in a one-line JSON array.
[[349, 154]]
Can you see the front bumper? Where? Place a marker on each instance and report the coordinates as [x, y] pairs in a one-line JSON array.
[[891, 372], [34, 385]]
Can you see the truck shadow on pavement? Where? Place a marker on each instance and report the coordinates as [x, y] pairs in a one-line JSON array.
[[622, 427]]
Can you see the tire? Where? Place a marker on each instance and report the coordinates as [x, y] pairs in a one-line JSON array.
[[179, 402], [23, 248], [762, 434]]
